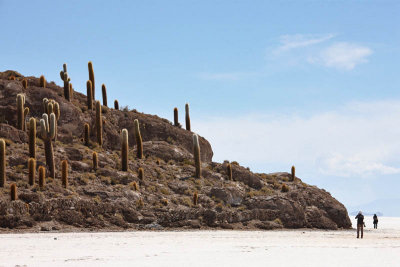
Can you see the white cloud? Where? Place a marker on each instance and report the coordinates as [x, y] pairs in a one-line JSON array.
[[344, 55], [289, 42], [356, 140]]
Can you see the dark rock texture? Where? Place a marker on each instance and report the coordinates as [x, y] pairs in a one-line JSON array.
[[106, 199]]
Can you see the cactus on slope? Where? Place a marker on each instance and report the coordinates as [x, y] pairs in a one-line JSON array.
[[63, 71], [13, 192], [116, 105], [124, 150], [187, 117], [138, 137], [141, 174], [32, 138], [42, 177], [104, 94], [64, 173], [176, 122], [89, 88], [229, 171], [196, 153], [95, 161], [2, 163], [91, 77], [195, 198], [25, 83], [31, 171], [42, 81], [86, 134], [99, 124], [67, 91], [47, 131], [71, 91], [21, 112], [293, 173]]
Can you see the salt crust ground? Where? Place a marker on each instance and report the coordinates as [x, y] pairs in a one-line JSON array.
[[207, 248]]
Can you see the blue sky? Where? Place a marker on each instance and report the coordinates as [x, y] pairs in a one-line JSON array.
[[270, 84]]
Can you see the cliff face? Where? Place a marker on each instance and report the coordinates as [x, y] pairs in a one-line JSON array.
[[106, 198]]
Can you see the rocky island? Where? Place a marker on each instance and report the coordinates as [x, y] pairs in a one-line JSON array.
[[71, 163]]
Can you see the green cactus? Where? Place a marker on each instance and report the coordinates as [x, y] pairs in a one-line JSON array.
[[196, 153], [99, 123], [32, 138], [42, 81], [116, 105], [21, 111], [104, 93], [91, 78], [47, 131], [176, 122], [89, 88], [95, 159], [229, 171], [86, 134], [13, 192], [2, 163], [293, 173], [187, 117], [138, 138], [31, 171], [124, 150], [64, 173]]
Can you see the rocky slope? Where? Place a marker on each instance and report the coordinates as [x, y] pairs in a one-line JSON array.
[[106, 199]]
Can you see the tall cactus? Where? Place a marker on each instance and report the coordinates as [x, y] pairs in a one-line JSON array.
[[89, 90], [71, 91], [42, 81], [63, 71], [99, 124], [2, 163], [293, 173], [116, 105], [187, 117], [67, 91], [32, 138], [47, 131], [138, 138], [21, 111], [86, 134], [95, 161], [176, 121], [25, 83], [13, 192], [64, 173], [104, 93], [196, 153], [229, 171], [42, 177], [31, 171], [91, 77], [124, 150]]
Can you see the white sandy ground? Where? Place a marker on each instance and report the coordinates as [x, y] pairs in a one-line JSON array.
[[207, 248]]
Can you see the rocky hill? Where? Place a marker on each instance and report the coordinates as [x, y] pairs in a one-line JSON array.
[[110, 199]]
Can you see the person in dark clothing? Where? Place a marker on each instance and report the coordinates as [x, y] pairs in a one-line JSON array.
[[375, 221], [360, 224]]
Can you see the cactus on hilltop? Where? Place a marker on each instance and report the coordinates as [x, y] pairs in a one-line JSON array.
[[104, 94], [91, 78], [116, 105], [196, 153], [124, 150], [229, 171], [176, 122], [99, 123], [89, 91], [47, 131], [138, 137], [187, 117], [293, 173], [42, 81]]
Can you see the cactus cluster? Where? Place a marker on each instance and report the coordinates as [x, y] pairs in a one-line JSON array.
[[51, 106], [22, 112], [196, 153], [2, 163], [67, 85], [47, 131]]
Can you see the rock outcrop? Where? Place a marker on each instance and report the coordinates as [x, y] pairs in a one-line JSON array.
[[107, 198]]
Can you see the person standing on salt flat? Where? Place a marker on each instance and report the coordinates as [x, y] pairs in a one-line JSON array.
[[375, 221], [360, 224]]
